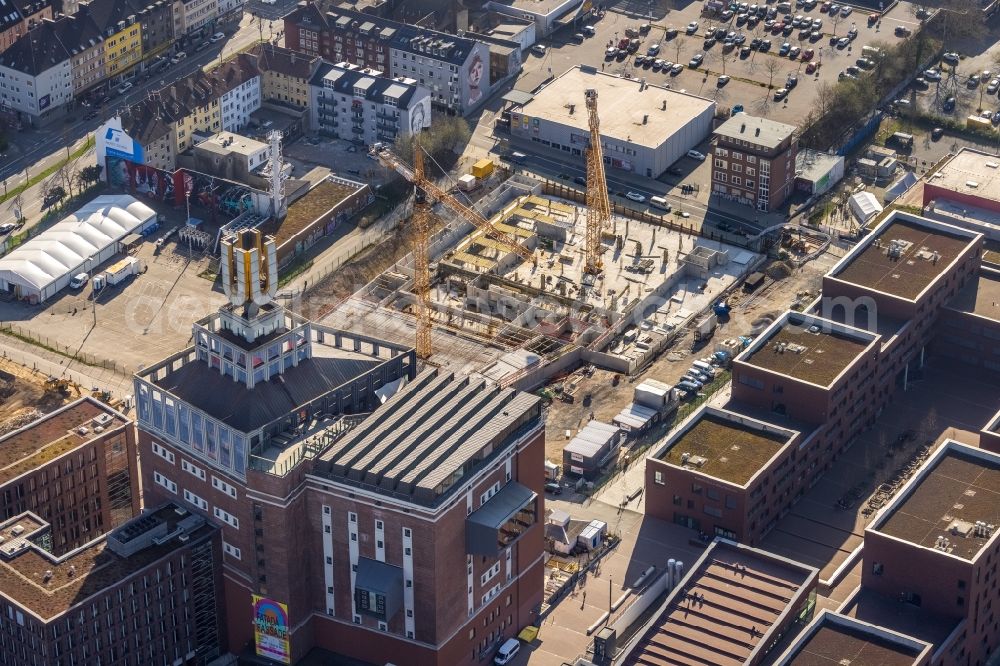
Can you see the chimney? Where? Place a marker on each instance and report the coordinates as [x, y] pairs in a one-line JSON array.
[[645, 119], [743, 128], [757, 132]]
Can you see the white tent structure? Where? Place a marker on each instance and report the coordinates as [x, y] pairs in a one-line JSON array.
[[864, 205], [81, 242]]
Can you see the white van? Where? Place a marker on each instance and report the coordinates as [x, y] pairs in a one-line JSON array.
[[659, 202], [507, 652], [704, 367]]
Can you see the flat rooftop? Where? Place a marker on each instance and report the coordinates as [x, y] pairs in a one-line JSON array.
[[621, 104], [306, 210], [743, 595], [767, 134], [980, 296], [924, 254], [956, 488], [542, 7], [971, 172], [899, 616], [807, 349], [81, 573], [725, 449], [833, 640], [52, 435], [247, 409], [428, 436], [224, 143]]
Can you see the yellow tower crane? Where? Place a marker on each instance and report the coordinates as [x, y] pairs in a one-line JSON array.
[[424, 189], [598, 204]]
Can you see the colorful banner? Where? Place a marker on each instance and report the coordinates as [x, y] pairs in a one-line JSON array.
[[270, 629]]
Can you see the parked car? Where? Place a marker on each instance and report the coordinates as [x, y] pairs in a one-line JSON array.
[[588, 30], [951, 57], [780, 94], [949, 104], [125, 87], [695, 155], [653, 50], [692, 27], [937, 133], [676, 69], [539, 49], [723, 80], [843, 42], [932, 74], [794, 52], [180, 55], [791, 81], [79, 280], [903, 31], [784, 49], [217, 37], [7, 228], [845, 11], [553, 487], [696, 60], [580, 180], [635, 196], [993, 86], [808, 54]]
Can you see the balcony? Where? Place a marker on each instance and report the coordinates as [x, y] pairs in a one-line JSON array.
[[501, 521]]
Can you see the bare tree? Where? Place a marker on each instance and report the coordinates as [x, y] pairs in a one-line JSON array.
[[771, 67], [17, 205], [836, 19], [679, 44]]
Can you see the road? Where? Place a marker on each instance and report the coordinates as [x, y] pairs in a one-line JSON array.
[[36, 150]]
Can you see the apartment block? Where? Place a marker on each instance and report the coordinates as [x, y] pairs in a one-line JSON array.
[[968, 329], [17, 17], [837, 639], [76, 469], [148, 592], [455, 70], [36, 76], [285, 74], [361, 105], [753, 161], [933, 551]]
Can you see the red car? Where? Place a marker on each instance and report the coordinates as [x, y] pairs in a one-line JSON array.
[[807, 54], [810, 68], [777, 28], [873, 18], [825, 7]]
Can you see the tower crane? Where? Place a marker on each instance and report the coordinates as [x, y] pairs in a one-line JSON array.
[[598, 204], [424, 189]]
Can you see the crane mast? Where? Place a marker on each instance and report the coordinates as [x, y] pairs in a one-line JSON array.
[[424, 190], [598, 204]]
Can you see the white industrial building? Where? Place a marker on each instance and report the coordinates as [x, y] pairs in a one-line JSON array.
[[78, 243], [644, 127]]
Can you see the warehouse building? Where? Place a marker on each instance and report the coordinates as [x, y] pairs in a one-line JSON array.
[[644, 128], [79, 243]]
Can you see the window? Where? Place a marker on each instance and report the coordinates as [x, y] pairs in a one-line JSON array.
[[738, 168], [722, 152], [161, 480], [712, 511], [678, 501], [751, 159], [232, 551], [485, 497], [163, 453], [219, 484], [720, 176], [658, 477], [194, 470], [194, 499], [489, 574], [227, 517]]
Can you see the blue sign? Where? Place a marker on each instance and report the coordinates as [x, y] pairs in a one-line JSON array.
[[119, 144]]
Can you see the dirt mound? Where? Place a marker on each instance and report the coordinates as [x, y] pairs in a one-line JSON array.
[[779, 270]]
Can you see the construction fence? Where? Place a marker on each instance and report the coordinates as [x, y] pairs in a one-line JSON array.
[[52, 345]]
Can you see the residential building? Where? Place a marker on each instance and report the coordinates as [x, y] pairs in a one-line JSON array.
[[123, 49], [19, 16], [360, 105], [193, 15], [455, 70], [349, 490], [730, 609], [644, 127], [147, 592], [221, 99], [76, 469], [933, 550], [969, 325], [230, 156], [285, 75], [36, 76], [753, 161], [87, 58]]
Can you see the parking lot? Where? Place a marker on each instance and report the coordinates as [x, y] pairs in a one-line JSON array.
[[968, 97], [750, 75]]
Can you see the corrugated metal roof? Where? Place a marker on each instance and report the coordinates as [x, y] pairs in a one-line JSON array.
[[594, 436]]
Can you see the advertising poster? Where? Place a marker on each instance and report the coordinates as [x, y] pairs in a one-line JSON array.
[[270, 629]]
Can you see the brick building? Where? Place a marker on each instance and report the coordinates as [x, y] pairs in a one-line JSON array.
[[969, 327], [75, 468], [836, 639], [348, 489], [18, 16], [146, 593], [811, 383], [933, 551], [455, 70], [753, 161]]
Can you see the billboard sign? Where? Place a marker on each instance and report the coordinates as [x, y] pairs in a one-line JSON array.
[[270, 630], [119, 144]]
